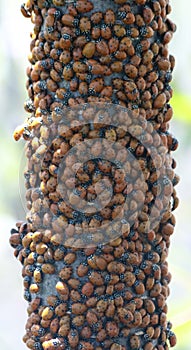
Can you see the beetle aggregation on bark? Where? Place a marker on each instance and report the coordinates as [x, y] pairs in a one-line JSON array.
[[95, 268]]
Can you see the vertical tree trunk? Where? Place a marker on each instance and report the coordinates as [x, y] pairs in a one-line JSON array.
[[100, 176]]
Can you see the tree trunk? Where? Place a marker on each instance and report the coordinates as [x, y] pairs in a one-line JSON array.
[[100, 176]]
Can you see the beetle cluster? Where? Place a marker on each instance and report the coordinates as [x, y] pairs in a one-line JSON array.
[[98, 279]]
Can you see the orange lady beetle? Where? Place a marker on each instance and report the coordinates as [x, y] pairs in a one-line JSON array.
[[84, 6], [65, 41], [58, 2], [68, 20], [25, 12], [18, 132]]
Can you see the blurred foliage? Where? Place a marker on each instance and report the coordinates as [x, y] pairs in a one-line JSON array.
[[182, 107], [183, 333]]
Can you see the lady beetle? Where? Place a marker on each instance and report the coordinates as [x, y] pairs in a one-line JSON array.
[[58, 2], [84, 6], [25, 12]]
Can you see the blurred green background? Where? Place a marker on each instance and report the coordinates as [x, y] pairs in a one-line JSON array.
[[14, 48]]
